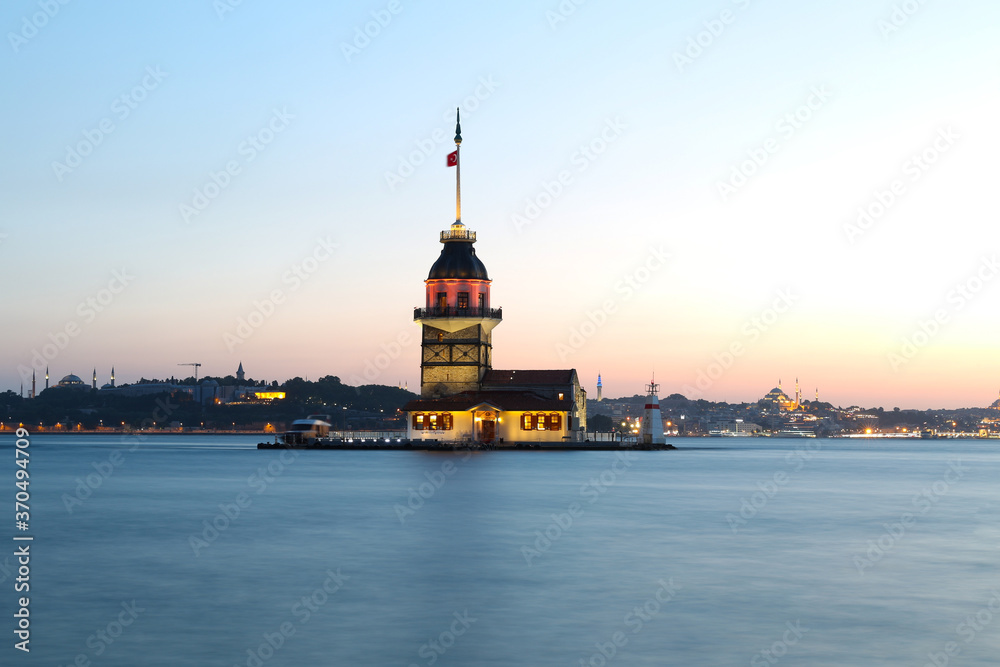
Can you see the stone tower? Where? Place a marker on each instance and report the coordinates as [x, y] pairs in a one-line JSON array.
[[456, 321]]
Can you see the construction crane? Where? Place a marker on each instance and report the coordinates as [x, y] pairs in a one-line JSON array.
[[196, 365]]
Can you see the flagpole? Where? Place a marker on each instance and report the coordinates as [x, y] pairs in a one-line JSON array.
[[458, 165]]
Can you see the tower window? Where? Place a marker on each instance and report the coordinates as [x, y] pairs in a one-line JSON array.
[[482, 301], [442, 300], [463, 300]]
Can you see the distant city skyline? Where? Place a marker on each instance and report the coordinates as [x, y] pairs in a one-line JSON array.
[[723, 195]]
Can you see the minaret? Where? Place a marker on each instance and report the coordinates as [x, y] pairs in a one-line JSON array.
[[798, 394], [46, 377], [457, 321], [651, 431], [817, 394], [33, 395], [239, 373], [112, 377], [95, 378], [599, 397]]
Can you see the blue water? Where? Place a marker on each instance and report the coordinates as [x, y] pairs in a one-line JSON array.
[[653, 563]]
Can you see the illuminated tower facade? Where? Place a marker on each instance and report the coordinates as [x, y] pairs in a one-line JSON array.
[[457, 320], [599, 396]]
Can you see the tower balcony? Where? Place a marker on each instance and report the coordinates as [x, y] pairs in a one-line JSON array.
[[452, 319], [455, 234], [452, 311]]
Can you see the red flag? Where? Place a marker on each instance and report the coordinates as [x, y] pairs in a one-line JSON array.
[[453, 159]]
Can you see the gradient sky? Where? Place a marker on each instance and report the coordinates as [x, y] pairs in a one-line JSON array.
[[534, 91]]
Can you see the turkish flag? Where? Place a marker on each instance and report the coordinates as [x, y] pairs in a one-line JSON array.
[[453, 159]]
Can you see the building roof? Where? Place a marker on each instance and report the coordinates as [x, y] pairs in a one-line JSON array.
[[518, 377], [458, 260], [518, 401]]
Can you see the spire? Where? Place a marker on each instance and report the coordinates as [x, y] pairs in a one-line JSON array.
[[112, 376], [95, 378], [46, 377], [458, 165]]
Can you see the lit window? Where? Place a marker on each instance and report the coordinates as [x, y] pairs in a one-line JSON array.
[[432, 421], [463, 300]]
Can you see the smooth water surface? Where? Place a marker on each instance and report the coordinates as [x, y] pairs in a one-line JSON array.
[[820, 552]]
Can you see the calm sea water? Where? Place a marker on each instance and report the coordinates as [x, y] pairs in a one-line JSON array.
[[727, 552]]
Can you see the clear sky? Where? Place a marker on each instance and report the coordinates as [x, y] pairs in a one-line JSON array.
[[713, 157]]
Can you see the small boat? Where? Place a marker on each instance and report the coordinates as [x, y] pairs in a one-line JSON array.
[[307, 431]]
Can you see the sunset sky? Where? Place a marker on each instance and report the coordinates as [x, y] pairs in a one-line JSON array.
[[656, 187]]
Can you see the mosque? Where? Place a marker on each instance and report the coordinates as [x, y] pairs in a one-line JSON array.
[[462, 397], [778, 401]]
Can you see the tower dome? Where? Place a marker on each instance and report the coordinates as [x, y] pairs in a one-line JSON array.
[[458, 260]]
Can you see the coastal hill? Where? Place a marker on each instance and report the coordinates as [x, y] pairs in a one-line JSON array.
[[376, 407]]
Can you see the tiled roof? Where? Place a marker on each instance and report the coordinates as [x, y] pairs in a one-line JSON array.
[[520, 401], [552, 377]]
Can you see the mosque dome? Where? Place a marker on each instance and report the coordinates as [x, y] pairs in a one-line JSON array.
[[73, 382]]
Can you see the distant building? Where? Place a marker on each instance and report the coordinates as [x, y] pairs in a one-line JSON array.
[[777, 400], [71, 382], [239, 373]]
